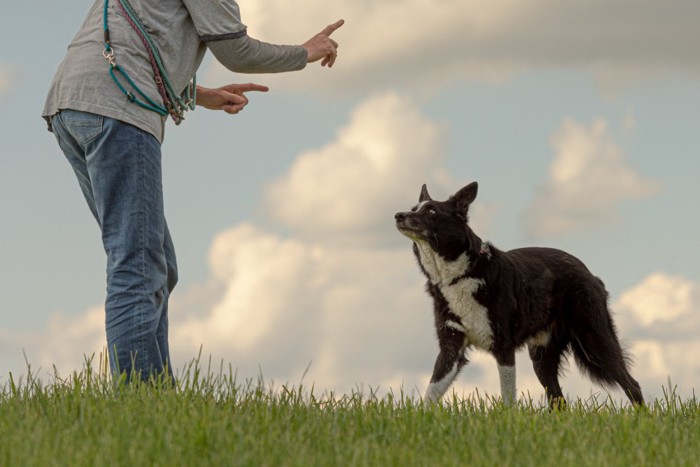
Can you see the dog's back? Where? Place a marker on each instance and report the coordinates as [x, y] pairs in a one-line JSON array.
[[558, 281]]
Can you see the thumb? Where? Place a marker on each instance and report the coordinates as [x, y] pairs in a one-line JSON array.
[[232, 108], [232, 98]]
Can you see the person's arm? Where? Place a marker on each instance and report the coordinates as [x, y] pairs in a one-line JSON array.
[[231, 98], [247, 55]]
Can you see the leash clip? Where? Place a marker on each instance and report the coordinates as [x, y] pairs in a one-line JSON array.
[[108, 53]]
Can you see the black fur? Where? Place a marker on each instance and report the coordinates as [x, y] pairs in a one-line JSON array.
[[527, 292]]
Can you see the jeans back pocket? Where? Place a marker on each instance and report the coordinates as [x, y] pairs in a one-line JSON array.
[[83, 126]]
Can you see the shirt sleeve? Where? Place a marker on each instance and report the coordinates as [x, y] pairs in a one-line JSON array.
[[216, 20], [247, 55]]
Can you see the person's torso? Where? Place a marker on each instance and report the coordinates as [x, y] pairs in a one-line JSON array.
[[83, 80]]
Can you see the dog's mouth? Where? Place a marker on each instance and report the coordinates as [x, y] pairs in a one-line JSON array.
[[409, 231]]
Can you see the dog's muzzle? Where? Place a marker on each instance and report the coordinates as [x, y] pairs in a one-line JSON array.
[[401, 219], [400, 216], [405, 226]]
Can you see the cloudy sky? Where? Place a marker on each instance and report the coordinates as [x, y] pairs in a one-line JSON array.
[[578, 119]]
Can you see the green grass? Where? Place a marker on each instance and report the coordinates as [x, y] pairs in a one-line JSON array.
[[211, 419]]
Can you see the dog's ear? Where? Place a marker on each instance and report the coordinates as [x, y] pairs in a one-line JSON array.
[[464, 197], [424, 196]]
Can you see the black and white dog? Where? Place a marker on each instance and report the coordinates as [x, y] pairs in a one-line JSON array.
[[499, 301]]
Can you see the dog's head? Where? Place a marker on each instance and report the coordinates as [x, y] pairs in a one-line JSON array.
[[441, 224]]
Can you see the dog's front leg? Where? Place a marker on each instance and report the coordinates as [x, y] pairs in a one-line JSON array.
[[446, 369], [506, 374]]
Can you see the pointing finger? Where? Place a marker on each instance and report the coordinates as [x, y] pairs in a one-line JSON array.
[[252, 87], [328, 30]]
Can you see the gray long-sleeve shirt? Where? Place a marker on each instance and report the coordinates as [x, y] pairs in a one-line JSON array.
[[182, 31]]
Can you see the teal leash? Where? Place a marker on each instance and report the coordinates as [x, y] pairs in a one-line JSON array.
[[175, 105], [179, 102]]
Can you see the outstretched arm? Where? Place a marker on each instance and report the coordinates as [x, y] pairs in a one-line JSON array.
[[231, 98], [245, 54]]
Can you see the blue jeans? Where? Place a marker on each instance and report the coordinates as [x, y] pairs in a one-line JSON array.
[[119, 170]]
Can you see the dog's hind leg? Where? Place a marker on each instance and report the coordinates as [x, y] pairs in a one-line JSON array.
[[546, 361], [447, 366], [632, 389]]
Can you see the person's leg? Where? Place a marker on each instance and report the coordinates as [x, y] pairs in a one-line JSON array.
[[71, 139], [119, 169]]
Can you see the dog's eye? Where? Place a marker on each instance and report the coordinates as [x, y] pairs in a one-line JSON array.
[[431, 211]]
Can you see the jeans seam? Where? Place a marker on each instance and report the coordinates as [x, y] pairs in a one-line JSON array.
[[143, 331]]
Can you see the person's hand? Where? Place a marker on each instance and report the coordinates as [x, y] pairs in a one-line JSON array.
[[231, 98], [321, 46]]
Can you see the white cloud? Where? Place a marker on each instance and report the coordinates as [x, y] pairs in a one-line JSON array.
[[660, 318], [350, 189], [65, 343], [662, 307], [659, 298], [588, 179], [353, 312], [425, 45]]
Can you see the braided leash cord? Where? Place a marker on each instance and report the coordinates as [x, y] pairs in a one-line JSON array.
[[114, 68], [156, 72], [175, 105]]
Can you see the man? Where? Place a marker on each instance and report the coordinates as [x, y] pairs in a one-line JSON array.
[[107, 107]]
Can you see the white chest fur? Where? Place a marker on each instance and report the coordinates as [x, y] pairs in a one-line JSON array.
[[460, 295]]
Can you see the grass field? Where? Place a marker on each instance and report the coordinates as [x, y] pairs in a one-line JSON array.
[[210, 419]]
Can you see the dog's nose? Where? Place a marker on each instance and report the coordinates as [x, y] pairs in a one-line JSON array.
[[399, 216]]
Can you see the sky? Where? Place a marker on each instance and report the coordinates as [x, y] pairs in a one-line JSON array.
[[579, 120]]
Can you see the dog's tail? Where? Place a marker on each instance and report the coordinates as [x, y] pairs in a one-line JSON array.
[[595, 345]]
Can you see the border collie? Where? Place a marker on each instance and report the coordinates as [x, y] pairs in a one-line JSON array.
[[499, 301]]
